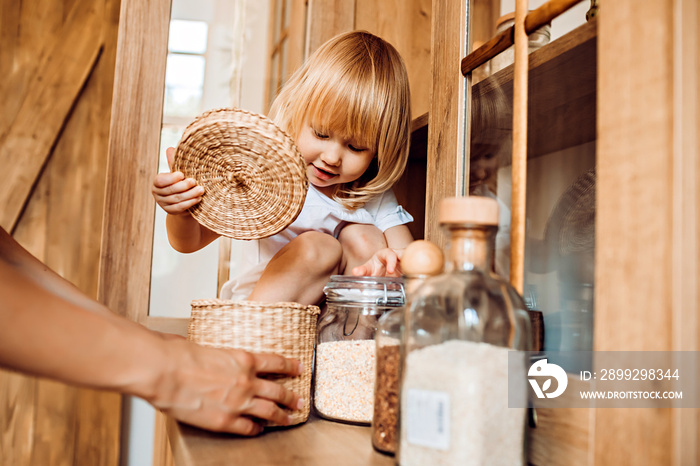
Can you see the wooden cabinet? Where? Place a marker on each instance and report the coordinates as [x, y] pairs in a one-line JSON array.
[[632, 83], [629, 86]]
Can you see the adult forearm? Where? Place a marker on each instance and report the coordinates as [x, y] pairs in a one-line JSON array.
[[50, 328], [21, 262]]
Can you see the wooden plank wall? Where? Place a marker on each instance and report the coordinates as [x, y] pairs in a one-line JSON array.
[[46, 422], [406, 25]]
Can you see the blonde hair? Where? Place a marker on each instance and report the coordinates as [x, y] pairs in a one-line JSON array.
[[356, 86]]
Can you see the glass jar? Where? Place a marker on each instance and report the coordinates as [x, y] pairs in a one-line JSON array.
[[460, 328], [386, 391], [420, 260], [535, 40], [345, 350]]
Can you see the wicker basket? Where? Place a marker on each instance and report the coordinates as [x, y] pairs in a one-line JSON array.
[[288, 329], [254, 176]]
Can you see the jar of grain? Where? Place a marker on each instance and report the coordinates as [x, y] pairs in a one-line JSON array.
[[345, 350], [535, 40], [420, 260], [458, 365]]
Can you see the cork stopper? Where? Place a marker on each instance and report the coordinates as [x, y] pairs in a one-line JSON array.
[[477, 210], [422, 258]]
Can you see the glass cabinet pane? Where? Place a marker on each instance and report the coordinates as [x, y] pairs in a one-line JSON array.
[[560, 208]]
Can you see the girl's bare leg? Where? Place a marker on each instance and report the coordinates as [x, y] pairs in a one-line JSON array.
[[300, 270], [359, 243]]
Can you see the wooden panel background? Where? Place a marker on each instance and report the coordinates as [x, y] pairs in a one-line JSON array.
[[328, 18], [647, 213], [406, 25], [45, 422]]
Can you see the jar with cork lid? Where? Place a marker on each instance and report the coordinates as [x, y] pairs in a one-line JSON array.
[[461, 329], [420, 260]]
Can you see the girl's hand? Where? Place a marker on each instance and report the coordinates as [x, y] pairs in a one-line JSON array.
[[173, 192], [384, 263]]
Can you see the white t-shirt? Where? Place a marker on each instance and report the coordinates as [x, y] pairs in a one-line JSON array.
[[320, 213]]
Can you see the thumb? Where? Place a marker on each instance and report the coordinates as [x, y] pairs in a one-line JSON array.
[[170, 155]]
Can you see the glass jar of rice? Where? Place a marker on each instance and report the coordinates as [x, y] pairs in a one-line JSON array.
[[462, 328], [344, 375]]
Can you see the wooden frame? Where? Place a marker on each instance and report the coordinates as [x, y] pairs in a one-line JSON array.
[[127, 232], [286, 44], [646, 238], [647, 225], [447, 162]]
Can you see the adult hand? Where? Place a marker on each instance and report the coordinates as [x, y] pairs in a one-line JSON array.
[[221, 389]]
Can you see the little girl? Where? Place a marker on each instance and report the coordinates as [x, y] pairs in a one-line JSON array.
[[348, 109]]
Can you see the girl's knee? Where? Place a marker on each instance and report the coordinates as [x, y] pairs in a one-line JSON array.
[[360, 241], [317, 250]]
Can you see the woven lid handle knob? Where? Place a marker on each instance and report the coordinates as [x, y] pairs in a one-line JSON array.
[[233, 178]]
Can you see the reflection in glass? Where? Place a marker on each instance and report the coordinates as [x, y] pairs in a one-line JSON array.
[[560, 208]]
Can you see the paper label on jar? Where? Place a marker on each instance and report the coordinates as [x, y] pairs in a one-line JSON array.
[[428, 418]]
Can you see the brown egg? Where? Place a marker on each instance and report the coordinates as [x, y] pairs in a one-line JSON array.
[[422, 257]]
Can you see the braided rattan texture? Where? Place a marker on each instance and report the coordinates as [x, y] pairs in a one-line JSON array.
[[288, 329], [571, 225], [254, 176]]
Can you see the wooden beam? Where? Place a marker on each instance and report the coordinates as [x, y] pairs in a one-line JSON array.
[[634, 279], [447, 161], [51, 95], [519, 167], [137, 109]]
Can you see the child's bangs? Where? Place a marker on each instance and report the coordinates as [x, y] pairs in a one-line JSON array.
[[347, 112]]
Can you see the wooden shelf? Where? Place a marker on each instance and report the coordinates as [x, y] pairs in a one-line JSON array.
[[419, 138], [561, 100], [315, 443]]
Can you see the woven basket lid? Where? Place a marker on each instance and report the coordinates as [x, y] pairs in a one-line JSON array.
[[254, 176]]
